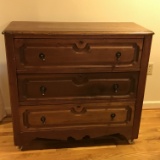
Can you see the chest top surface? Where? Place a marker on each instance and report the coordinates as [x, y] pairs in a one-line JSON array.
[[79, 28]]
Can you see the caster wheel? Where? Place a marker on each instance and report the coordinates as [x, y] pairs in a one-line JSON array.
[[20, 148], [131, 141]]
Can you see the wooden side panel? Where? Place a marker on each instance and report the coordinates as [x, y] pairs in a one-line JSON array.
[[141, 84], [12, 76]]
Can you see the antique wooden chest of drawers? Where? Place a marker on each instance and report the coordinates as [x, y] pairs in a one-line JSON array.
[[76, 79]]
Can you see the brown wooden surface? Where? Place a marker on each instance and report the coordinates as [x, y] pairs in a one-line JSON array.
[[76, 53], [51, 87], [75, 28], [146, 147], [80, 116], [72, 44], [11, 66]]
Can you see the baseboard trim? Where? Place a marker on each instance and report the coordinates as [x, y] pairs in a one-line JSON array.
[[8, 111], [151, 105]]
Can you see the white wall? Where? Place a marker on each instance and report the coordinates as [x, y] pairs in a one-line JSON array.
[[143, 12]]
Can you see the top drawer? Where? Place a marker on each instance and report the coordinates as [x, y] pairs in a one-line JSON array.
[[69, 54]]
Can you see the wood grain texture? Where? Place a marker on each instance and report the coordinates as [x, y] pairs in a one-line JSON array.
[[81, 28], [146, 147], [76, 64]]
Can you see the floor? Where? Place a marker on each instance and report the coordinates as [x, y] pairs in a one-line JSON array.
[[146, 147]]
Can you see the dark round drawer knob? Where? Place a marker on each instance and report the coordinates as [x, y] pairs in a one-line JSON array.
[[113, 115], [118, 55], [42, 56], [43, 90], [43, 119], [115, 87]]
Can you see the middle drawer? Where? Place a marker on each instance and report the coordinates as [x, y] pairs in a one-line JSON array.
[[51, 87]]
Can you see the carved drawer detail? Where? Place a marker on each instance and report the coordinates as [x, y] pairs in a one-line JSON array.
[[69, 53], [72, 79], [77, 86], [79, 115]]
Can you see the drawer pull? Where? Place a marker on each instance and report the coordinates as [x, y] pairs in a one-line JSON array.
[[80, 80], [113, 115], [42, 56], [78, 110], [115, 87], [118, 55], [81, 47], [43, 90], [43, 120]]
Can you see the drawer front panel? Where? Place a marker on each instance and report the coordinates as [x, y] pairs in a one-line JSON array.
[[35, 53], [80, 115], [77, 86]]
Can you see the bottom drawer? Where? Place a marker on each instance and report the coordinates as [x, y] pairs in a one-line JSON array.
[[76, 115]]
